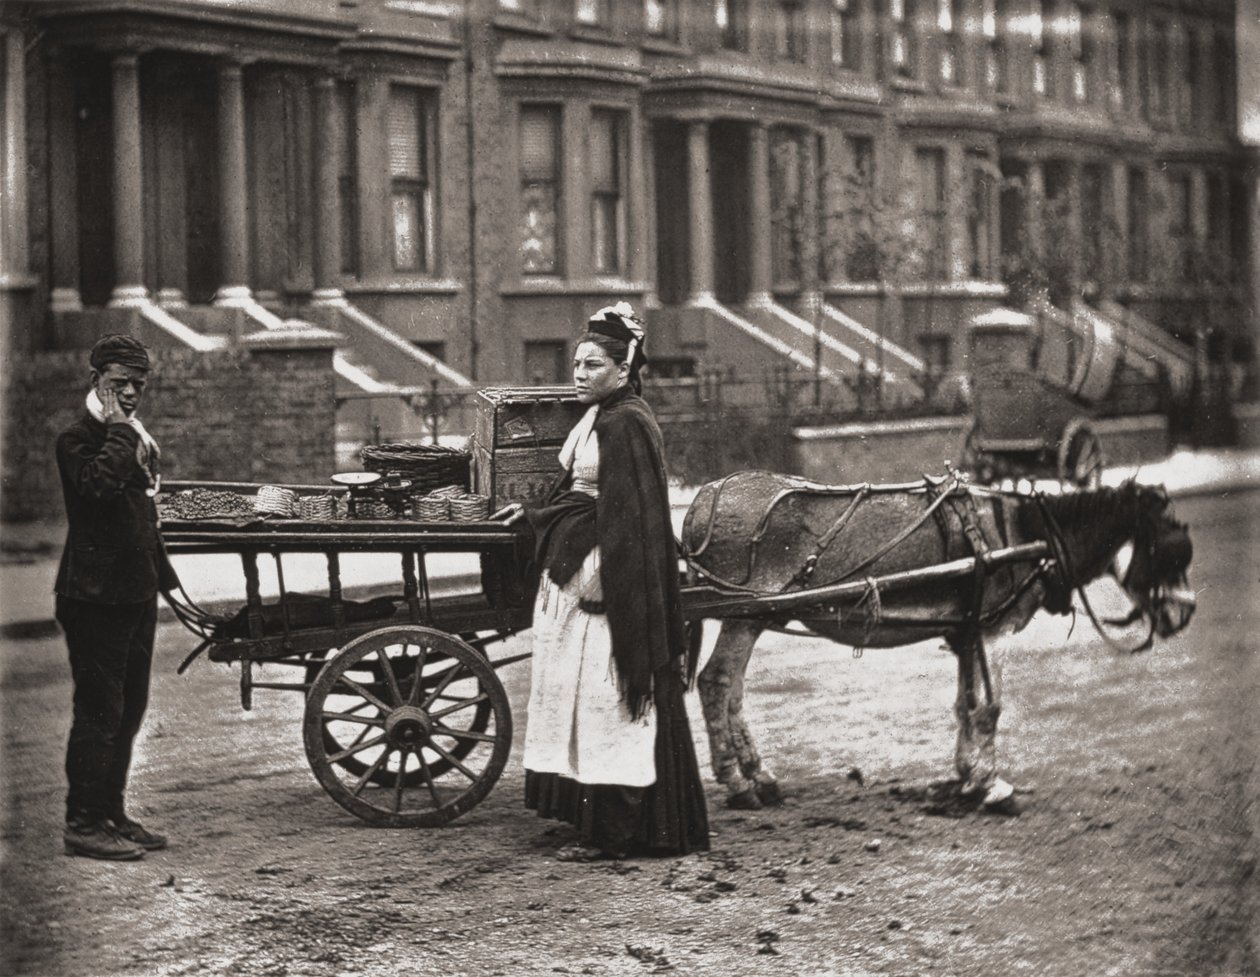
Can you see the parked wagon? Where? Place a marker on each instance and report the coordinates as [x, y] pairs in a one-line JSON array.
[[1033, 391]]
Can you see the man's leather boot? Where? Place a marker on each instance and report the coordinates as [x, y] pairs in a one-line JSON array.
[[98, 839]]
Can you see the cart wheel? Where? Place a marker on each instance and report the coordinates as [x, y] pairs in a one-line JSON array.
[[403, 669], [1080, 456], [972, 458], [423, 715]]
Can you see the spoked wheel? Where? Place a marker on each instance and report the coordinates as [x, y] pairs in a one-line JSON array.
[[403, 669], [424, 718], [1080, 456]]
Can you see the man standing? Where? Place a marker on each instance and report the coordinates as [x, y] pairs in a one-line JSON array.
[[111, 570]]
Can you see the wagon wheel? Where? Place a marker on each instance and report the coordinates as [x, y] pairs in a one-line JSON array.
[[1080, 455], [403, 669], [972, 458], [430, 733]]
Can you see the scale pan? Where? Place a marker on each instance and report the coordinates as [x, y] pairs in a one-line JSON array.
[[356, 478]]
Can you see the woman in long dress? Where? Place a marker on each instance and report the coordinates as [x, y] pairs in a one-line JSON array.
[[607, 745]]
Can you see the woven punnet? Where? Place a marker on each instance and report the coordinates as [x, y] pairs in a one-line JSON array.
[[470, 508], [428, 466], [431, 508]]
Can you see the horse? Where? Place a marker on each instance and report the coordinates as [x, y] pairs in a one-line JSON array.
[[757, 538]]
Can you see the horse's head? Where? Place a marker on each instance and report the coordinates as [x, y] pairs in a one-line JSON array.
[[1156, 575]]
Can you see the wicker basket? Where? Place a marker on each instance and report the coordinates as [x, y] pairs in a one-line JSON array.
[[428, 466], [431, 508], [470, 508]]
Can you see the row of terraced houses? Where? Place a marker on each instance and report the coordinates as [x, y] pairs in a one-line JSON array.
[[834, 187]]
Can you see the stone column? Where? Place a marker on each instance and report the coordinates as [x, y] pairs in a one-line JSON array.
[[233, 215], [700, 207], [760, 273], [128, 187], [62, 186], [639, 206], [373, 188], [327, 196]]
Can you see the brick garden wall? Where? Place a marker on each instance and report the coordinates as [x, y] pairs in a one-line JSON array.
[[258, 415]]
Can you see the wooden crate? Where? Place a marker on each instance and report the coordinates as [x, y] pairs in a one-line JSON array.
[[517, 440], [515, 474], [517, 417]]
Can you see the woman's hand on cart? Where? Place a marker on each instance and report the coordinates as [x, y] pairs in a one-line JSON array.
[[510, 513]]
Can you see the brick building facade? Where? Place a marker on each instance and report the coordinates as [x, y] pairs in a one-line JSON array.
[[453, 187]]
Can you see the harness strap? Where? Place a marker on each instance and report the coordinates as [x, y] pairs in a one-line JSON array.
[[826, 539]]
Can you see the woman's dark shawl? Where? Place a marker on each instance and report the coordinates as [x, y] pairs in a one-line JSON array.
[[638, 557], [631, 524]]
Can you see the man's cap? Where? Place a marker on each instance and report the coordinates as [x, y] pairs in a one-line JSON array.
[[121, 349]]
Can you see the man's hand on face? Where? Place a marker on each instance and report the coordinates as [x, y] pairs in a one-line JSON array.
[[114, 414]]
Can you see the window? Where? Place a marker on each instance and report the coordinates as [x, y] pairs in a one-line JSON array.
[[787, 160], [592, 13], [1191, 87], [984, 178], [540, 189], [1122, 62], [527, 7], [347, 179], [731, 17], [606, 151], [1081, 48], [949, 20], [929, 169], [1159, 69], [1180, 225], [1093, 220], [1137, 222], [411, 126], [790, 30], [660, 18], [905, 54], [855, 218], [547, 361], [1041, 52], [1224, 61], [844, 46], [1144, 75], [996, 24], [1218, 218]]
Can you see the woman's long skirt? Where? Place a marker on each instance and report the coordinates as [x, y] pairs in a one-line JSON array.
[[629, 786]]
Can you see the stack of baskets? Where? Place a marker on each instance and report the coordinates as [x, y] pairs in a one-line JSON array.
[[316, 508], [450, 503], [275, 500]]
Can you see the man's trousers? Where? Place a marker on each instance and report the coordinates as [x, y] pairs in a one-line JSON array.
[[111, 654]]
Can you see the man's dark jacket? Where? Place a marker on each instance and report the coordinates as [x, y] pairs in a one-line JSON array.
[[113, 552]]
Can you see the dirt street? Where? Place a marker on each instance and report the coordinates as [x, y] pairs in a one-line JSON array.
[[1135, 853]]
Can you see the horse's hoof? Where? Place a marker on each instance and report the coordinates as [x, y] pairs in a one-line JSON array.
[[769, 793], [745, 800], [1000, 799]]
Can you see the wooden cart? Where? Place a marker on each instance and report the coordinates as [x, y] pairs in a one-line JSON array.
[[406, 722], [1033, 393]]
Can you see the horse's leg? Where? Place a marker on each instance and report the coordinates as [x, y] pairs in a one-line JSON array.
[[723, 674], [764, 784], [977, 708]]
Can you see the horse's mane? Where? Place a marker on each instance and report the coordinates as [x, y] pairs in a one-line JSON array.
[[1088, 525]]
